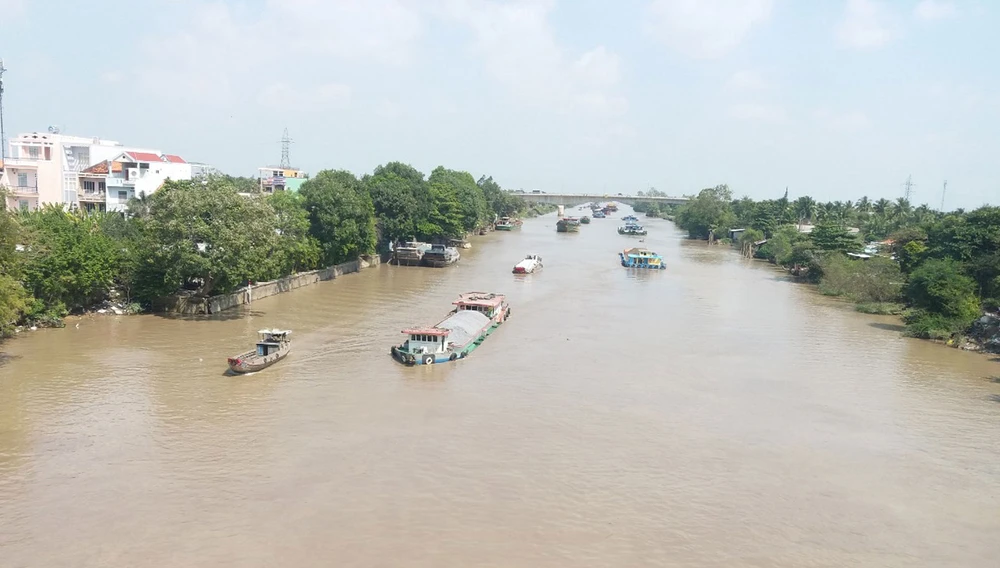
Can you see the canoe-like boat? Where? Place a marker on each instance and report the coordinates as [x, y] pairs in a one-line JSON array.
[[272, 347], [531, 263], [475, 317]]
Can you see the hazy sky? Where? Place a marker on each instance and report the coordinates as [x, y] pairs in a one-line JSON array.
[[836, 98]]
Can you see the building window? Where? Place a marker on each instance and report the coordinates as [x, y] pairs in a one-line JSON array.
[[33, 152], [23, 204], [22, 180], [88, 186], [123, 196], [101, 186]]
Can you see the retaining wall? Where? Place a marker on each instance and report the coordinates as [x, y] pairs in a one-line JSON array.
[[193, 305]]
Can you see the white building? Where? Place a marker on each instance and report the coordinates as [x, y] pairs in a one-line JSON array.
[[51, 168]]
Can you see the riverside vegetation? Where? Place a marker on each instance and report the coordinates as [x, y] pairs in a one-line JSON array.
[[940, 271], [209, 236]]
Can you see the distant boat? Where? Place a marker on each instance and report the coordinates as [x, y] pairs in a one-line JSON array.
[[273, 346], [632, 218], [531, 263], [506, 224], [585, 220], [568, 225], [599, 214], [631, 229], [641, 258]]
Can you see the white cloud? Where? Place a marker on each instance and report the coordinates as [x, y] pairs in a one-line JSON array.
[[282, 96], [747, 81], [934, 10], [846, 121], [866, 24], [758, 113], [519, 49], [705, 29]]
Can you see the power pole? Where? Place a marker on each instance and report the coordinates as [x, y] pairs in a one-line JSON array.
[[286, 142], [3, 136], [909, 188], [943, 190]]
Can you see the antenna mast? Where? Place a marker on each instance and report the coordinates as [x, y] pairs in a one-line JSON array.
[[943, 190], [3, 137], [909, 188], [286, 142]]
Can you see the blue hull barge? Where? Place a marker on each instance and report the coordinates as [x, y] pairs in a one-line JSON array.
[[641, 258], [475, 317]]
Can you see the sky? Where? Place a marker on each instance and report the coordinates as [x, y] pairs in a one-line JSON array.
[[830, 98]]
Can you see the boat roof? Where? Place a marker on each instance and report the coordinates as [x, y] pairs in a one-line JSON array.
[[639, 251], [425, 331], [461, 327], [479, 299], [274, 331]]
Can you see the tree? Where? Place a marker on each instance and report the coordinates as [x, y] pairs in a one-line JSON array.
[[831, 236], [296, 249], [341, 215], [203, 232], [944, 299], [707, 214], [450, 188], [14, 299]]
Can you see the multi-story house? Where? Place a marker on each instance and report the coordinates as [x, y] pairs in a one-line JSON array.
[[276, 178], [60, 169]]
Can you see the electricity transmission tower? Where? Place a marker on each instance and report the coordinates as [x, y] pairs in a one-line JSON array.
[[909, 188], [943, 190], [286, 142]]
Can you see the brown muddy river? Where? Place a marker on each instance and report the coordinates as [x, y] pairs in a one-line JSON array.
[[706, 415]]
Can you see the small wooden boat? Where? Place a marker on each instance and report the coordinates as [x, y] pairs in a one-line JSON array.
[[273, 346]]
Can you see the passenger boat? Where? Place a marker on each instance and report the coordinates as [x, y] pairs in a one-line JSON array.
[[568, 225], [439, 256], [631, 229], [599, 214], [475, 317], [531, 263], [585, 220], [505, 224], [410, 253], [641, 258], [273, 346]]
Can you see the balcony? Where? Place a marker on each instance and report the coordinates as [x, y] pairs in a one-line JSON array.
[[93, 196], [120, 182], [27, 190], [22, 162]]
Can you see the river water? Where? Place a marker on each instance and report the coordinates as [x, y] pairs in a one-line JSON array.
[[708, 415]]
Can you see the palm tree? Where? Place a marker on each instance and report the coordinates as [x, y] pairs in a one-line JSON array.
[[902, 209], [881, 207], [864, 205], [805, 208]]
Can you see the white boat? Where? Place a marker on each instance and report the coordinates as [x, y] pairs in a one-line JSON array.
[[531, 263]]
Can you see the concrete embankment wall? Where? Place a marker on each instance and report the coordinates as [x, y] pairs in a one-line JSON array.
[[192, 305]]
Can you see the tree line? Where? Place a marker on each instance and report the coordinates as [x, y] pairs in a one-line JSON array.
[[213, 234], [939, 270]]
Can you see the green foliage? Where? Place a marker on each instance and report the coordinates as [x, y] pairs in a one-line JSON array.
[[14, 299], [341, 214], [71, 262], [880, 308], [828, 236], [205, 233], [942, 297], [296, 250], [459, 203], [402, 202], [876, 280], [708, 213]]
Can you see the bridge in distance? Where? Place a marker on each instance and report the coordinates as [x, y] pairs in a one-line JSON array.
[[571, 199]]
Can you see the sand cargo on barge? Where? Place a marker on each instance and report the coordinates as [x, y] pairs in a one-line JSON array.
[[475, 317]]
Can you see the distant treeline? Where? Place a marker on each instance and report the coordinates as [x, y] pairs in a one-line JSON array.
[[208, 235], [939, 270]]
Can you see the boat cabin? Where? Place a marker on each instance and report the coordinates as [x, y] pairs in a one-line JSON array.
[[486, 304], [426, 340], [271, 341], [642, 258]]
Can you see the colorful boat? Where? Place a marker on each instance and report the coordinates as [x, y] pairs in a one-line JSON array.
[[410, 253], [611, 207], [568, 225], [273, 346], [631, 229], [631, 218], [585, 220], [641, 258], [531, 263], [475, 317], [439, 256], [599, 214], [505, 224]]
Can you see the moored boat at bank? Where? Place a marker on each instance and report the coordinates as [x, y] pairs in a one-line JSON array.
[[531, 263], [410, 253], [507, 224], [475, 317], [439, 256], [641, 258], [272, 347], [631, 229]]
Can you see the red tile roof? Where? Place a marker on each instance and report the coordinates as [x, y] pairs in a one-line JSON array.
[[98, 168], [174, 159], [143, 157]]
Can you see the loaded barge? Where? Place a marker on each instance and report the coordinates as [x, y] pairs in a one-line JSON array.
[[475, 317]]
